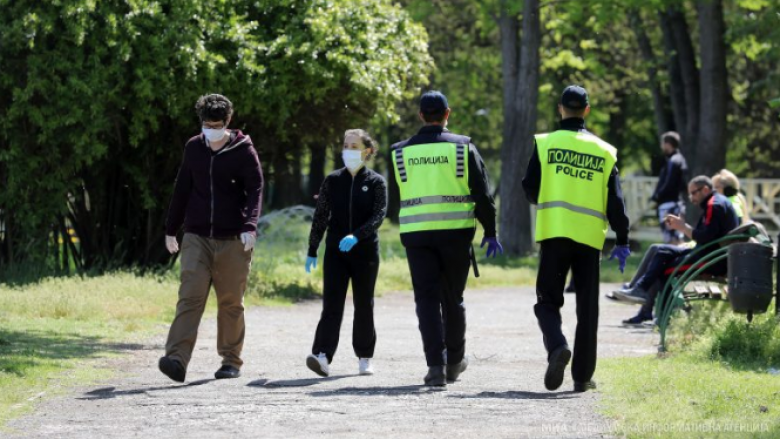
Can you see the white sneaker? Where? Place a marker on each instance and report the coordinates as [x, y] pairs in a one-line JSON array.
[[318, 364], [365, 367]]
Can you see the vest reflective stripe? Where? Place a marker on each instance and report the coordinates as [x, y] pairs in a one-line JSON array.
[[425, 217], [433, 181], [399, 161], [436, 199], [461, 160], [573, 208], [573, 197]]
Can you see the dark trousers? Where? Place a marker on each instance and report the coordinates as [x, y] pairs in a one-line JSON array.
[[361, 266], [558, 255], [666, 256], [439, 275]]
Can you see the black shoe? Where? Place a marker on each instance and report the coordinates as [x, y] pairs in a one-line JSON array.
[[638, 319], [436, 376], [556, 365], [584, 387], [227, 371], [634, 295], [454, 370], [173, 369]]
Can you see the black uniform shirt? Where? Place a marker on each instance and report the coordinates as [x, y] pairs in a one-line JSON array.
[[616, 207], [349, 205]]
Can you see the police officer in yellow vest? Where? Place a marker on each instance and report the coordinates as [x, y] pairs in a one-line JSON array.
[[573, 180], [443, 187]]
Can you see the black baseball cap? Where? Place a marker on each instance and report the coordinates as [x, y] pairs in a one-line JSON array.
[[574, 97], [433, 102]]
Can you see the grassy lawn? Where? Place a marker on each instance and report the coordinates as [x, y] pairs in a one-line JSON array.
[[717, 380], [51, 329]]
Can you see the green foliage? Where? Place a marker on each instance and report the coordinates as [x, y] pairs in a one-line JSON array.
[[100, 95]]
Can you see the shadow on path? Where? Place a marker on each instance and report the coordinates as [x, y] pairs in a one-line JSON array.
[[111, 392], [518, 394]]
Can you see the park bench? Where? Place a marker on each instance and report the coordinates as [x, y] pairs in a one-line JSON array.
[[690, 282]]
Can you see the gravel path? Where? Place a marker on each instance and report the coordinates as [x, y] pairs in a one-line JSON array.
[[501, 395]]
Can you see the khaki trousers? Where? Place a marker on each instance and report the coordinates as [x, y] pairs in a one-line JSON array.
[[207, 261]]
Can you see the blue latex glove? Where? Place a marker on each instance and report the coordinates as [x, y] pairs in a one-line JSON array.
[[310, 263], [621, 252], [347, 243], [494, 247]]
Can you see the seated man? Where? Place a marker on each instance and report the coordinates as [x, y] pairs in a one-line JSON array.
[[718, 219]]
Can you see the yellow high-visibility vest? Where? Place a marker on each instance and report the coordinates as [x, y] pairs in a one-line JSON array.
[[433, 181], [573, 197]]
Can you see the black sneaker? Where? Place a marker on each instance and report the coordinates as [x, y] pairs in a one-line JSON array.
[[227, 371], [436, 376], [556, 365], [172, 369], [638, 319], [454, 370], [584, 387]]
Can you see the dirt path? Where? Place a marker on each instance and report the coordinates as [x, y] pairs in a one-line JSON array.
[[501, 395]]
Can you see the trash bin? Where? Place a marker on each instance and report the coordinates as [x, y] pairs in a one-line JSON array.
[[750, 277]]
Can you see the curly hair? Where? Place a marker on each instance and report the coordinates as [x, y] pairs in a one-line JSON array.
[[214, 107], [368, 142]]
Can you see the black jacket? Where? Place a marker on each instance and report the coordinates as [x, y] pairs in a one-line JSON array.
[[672, 179], [349, 206], [616, 207], [479, 186], [217, 193], [717, 220]]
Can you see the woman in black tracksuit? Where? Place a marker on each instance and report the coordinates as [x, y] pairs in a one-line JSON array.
[[351, 206]]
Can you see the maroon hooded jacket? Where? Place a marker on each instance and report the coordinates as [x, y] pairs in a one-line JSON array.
[[217, 194]]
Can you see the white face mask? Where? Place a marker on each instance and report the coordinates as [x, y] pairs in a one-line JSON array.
[[214, 135], [353, 158]]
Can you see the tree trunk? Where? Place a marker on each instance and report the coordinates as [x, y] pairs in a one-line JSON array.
[[646, 49], [690, 80], [676, 89], [711, 149], [520, 99]]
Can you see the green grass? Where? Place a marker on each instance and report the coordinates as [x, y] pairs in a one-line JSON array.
[[52, 329], [715, 382]]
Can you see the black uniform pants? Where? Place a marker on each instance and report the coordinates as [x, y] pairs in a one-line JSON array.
[[557, 256], [439, 275], [361, 266]]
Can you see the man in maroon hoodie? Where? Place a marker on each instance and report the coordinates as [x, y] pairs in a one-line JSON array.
[[217, 198]]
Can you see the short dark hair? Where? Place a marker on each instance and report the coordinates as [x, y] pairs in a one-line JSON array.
[[702, 180], [368, 142], [214, 107], [436, 116], [672, 138]]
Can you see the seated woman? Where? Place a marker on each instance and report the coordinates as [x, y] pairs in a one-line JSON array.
[[726, 183]]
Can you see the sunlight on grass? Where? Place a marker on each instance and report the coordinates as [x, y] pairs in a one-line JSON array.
[[719, 380]]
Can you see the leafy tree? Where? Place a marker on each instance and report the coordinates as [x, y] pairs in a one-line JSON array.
[[100, 102]]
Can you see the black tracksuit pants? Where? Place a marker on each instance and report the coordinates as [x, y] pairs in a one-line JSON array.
[[439, 274], [361, 266], [557, 256]]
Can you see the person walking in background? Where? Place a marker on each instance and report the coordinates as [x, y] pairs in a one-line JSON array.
[[573, 180], [218, 199], [671, 186], [443, 186], [351, 206]]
